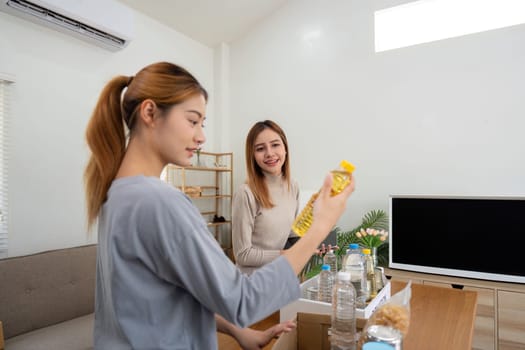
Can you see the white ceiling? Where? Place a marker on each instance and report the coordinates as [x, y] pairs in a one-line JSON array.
[[208, 21]]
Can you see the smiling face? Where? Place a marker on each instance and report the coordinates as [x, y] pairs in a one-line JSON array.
[[269, 152], [181, 131]]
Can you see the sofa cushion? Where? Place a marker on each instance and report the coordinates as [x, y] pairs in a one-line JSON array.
[[76, 334], [47, 288]]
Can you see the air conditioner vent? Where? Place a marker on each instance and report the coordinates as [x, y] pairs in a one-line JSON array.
[[73, 24]]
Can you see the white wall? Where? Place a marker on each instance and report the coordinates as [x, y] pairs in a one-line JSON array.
[[440, 118], [222, 116], [58, 79]]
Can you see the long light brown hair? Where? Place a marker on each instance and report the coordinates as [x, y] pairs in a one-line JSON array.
[[164, 83], [255, 180]]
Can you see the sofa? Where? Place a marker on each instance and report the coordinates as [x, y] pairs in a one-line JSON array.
[[47, 299]]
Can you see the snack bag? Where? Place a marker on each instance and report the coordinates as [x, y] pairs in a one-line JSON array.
[[394, 313]]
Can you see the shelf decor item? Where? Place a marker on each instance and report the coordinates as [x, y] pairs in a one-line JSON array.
[[193, 191]]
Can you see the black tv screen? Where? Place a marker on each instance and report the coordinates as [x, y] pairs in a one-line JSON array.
[[475, 237]]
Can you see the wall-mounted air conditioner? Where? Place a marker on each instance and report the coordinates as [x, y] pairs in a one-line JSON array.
[[106, 23]]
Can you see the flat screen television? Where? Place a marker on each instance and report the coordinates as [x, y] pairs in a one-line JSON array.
[[474, 237]]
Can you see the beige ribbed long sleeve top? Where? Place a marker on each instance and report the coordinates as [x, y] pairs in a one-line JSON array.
[[259, 234]]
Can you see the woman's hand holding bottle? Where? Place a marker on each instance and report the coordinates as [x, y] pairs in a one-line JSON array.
[[327, 210]]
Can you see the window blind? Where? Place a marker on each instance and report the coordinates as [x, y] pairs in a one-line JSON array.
[[4, 122]]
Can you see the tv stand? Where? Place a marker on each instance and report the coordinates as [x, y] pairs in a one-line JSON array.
[[500, 317]]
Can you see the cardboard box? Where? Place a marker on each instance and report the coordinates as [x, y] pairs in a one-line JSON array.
[[311, 333], [318, 307]]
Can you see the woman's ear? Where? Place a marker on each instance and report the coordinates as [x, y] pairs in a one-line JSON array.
[[148, 108]]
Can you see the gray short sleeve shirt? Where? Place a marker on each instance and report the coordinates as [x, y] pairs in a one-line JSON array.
[[161, 275]]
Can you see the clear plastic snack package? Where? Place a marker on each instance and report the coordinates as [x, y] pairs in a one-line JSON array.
[[394, 313]]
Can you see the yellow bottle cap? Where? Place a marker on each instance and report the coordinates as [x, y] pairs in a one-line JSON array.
[[347, 166], [366, 251]]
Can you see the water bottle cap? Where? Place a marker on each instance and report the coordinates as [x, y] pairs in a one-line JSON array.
[[366, 251], [377, 346], [325, 267], [343, 276], [354, 246]]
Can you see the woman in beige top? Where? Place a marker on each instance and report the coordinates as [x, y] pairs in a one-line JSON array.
[[264, 207]]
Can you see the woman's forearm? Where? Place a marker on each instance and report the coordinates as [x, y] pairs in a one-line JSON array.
[[299, 254], [224, 326]]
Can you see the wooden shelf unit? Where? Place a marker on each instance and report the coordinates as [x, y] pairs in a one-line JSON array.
[[500, 316], [216, 189]]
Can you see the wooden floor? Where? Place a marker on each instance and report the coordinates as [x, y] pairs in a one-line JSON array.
[[228, 343]]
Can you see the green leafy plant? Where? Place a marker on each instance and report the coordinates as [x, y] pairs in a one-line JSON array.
[[382, 255], [312, 268], [374, 219]]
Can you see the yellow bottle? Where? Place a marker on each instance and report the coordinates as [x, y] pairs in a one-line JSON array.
[[370, 274], [340, 179]]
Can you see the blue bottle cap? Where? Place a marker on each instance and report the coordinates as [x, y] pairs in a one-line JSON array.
[[377, 346], [325, 267], [354, 246]]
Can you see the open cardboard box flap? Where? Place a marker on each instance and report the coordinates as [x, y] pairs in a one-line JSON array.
[[311, 333]]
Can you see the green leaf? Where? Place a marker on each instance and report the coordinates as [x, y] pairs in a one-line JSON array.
[[382, 255], [312, 267], [314, 271], [344, 238], [377, 219]]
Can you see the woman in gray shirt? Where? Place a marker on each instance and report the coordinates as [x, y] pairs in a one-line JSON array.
[[163, 282]]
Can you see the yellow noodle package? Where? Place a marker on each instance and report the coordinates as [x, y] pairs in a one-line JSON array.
[[395, 313]]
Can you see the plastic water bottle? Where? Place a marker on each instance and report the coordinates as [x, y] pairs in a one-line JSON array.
[[343, 264], [343, 330], [325, 284], [370, 275], [330, 259], [340, 179], [355, 264]]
